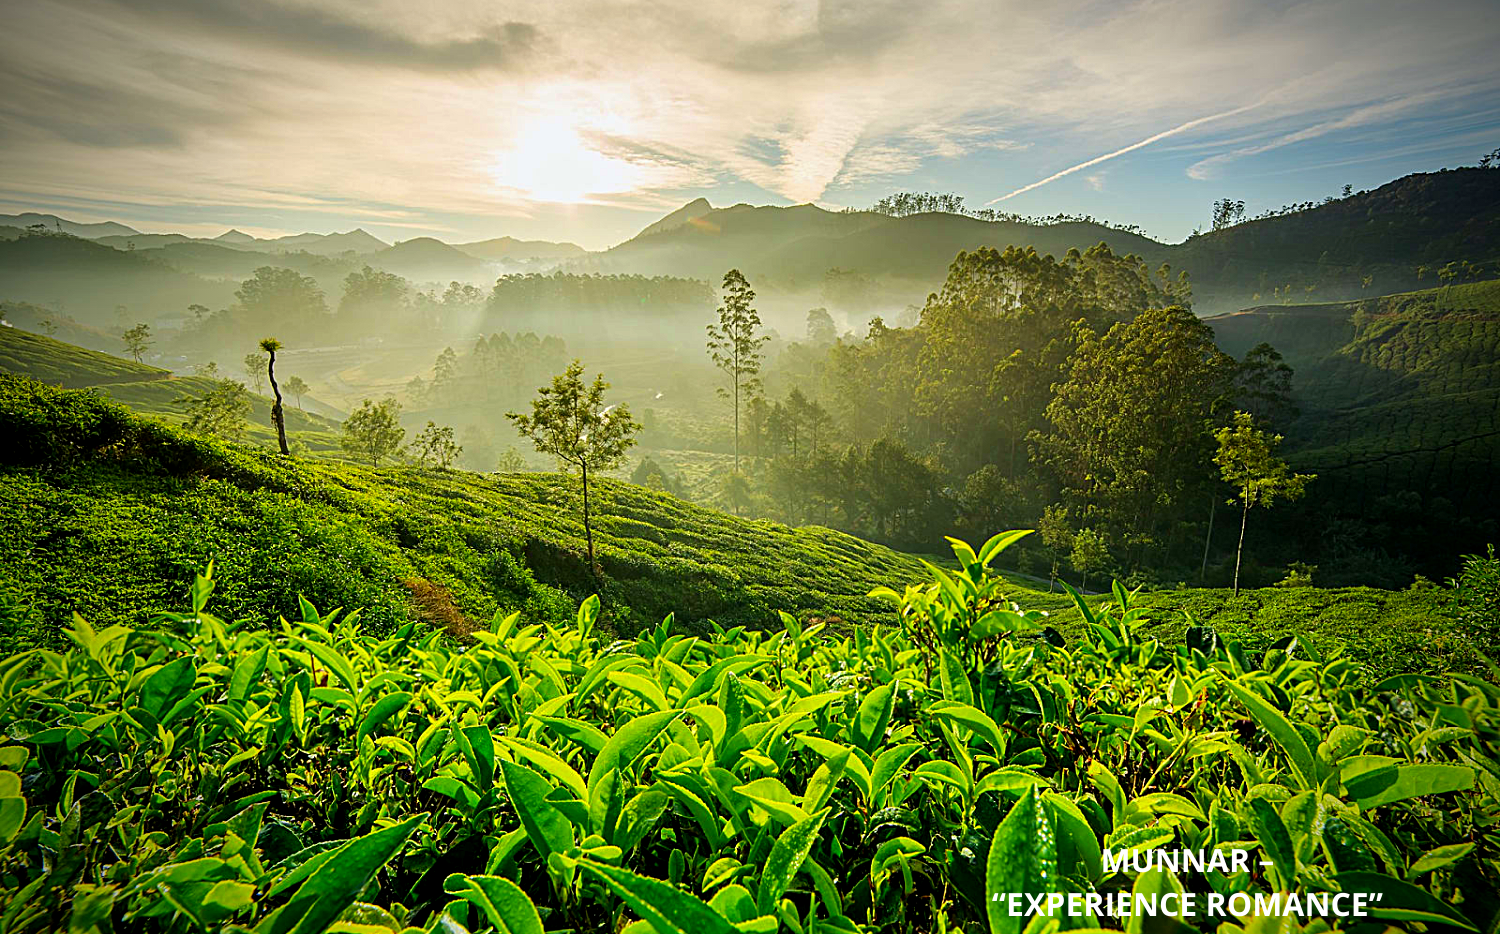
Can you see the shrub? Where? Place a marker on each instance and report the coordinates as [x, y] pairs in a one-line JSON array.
[[311, 776]]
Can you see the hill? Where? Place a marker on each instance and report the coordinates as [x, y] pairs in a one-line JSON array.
[[424, 259], [147, 389], [59, 364], [59, 224], [83, 479], [509, 248], [1400, 400], [92, 282], [1427, 219]]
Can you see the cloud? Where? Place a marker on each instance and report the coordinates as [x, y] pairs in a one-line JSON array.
[[1206, 168], [331, 32], [1096, 181], [1180, 128], [329, 105]]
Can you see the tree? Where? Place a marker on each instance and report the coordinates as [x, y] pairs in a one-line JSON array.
[[373, 298], [138, 340], [283, 299], [1088, 555], [221, 411], [1128, 441], [821, 330], [1247, 461], [374, 431], [570, 421], [511, 462], [298, 387], [1228, 212], [278, 416], [1491, 161], [199, 311], [255, 365], [735, 346], [1263, 386], [435, 445]]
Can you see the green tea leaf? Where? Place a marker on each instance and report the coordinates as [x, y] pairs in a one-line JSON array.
[[1022, 859], [786, 858], [667, 908]]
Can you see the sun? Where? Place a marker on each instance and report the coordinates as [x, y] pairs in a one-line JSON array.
[[550, 161]]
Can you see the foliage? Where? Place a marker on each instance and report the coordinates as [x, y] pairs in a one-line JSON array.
[[138, 340], [435, 445], [734, 346], [307, 774], [373, 431], [1247, 461], [570, 421], [1476, 594], [221, 410], [297, 387]]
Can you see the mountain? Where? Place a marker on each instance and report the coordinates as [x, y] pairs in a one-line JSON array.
[[352, 241], [509, 248], [424, 259], [1400, 400], [1369, 243], [98, 285], [234, 236], [55, 223], [686, 214], [795, 246]]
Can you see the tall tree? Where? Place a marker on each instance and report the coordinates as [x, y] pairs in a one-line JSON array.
[[821, 331], [278, 417], [283, 299], [373, 431], [138, 340], [734, 344], [1128, 441], [1247, 460], [570, 421]]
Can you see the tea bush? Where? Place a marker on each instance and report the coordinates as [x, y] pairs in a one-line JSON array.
[[212, 775]]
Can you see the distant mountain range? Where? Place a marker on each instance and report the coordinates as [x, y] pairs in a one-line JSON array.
[[1389, 240]]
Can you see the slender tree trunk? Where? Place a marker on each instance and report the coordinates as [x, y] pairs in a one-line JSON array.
[[736, 423], [588, 530], [277, 415], [1240, 548], [1213, 504]]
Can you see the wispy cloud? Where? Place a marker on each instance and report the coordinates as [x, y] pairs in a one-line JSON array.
[[1180, 128], [548, 112]]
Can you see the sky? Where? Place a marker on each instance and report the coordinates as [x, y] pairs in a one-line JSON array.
[[583, 120]]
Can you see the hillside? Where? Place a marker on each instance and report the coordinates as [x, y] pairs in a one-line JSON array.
[[424, 259], [55, 223], [84, 479], [147, 389], [91, 282], [59, 364], [804, 241], [1398, 393], [1426, 219], [511, 249]]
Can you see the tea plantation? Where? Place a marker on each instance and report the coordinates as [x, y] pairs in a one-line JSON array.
[[107, 512], [314, 775]]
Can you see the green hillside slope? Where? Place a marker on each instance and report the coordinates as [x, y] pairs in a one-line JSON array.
[[52, 361], [1399, 393], [1427, 219], [108, 514], [147, 389]]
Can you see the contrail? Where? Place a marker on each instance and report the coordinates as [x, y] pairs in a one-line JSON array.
[[1120, 152]]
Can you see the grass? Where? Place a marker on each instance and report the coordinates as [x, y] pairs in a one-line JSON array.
[[104, 509]]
